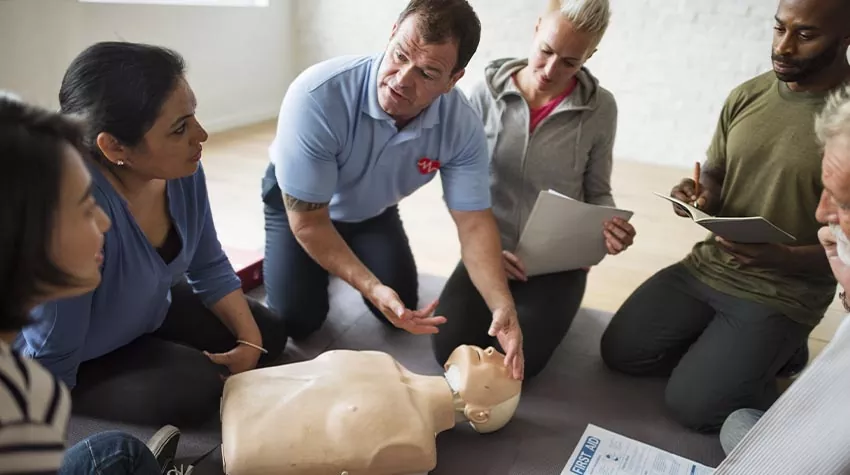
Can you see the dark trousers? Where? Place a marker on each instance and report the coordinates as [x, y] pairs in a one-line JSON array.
[[297, 286], [164, 378], [721, 353], [546, 306]]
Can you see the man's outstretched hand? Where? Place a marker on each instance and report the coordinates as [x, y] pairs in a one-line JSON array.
[[505, 328], [419, 322]]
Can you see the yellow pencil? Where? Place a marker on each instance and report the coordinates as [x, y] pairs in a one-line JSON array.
[[696, 183]]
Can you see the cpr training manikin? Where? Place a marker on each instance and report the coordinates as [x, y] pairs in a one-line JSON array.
[[359, 412]]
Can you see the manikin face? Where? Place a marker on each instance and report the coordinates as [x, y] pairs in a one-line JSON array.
[[834, 206], [485, 384]]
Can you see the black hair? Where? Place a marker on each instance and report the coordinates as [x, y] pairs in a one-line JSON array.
[[119, 88], [32, 147], [447, 20]]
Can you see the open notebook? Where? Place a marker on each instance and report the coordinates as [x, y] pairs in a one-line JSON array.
[[745, 230], [564, 234]]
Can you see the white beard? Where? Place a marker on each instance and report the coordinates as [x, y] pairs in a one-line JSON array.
[[843, 244]]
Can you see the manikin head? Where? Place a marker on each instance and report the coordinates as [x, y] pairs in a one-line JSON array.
[[485, 385], [833, 130]]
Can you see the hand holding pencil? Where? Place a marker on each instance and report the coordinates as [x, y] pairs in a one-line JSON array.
[[691, 191]]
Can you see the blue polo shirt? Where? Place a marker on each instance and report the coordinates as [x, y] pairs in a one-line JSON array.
[[335, 144]]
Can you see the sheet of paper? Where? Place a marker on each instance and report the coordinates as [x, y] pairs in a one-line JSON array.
[[564, 234], [602, 452]]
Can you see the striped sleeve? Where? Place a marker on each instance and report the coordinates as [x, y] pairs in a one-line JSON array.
[[807, 430], [34, 411]]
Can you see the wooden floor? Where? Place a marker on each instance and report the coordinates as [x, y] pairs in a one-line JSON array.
[[235, 161]]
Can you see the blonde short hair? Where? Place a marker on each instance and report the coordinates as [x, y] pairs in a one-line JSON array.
[[590, 16], [834, 120]]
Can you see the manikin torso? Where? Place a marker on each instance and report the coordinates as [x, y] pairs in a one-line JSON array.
[[354, 412]]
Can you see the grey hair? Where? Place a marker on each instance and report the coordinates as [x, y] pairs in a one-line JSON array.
[[590, 16], [834, 119]]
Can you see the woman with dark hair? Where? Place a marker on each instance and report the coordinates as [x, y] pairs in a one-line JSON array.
[[50, 247], [150, 344]]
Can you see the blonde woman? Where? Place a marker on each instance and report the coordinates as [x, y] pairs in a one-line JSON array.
[[549, 125]]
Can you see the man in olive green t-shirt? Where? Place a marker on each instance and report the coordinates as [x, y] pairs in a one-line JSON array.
[[724, 322]]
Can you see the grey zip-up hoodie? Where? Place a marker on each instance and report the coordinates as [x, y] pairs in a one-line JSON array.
[[570, 151]]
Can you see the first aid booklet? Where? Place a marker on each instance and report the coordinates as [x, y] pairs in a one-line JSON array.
[[602, 452]]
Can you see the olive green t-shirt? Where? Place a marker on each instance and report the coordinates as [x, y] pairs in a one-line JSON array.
[[766, 142]]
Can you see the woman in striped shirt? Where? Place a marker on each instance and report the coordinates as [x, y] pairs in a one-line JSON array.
[[51, 234]]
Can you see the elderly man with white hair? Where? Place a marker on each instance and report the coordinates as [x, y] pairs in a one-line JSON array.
[[807, 430]]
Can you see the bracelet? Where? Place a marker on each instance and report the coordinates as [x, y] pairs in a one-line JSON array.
[[843, 296], [256, 347]]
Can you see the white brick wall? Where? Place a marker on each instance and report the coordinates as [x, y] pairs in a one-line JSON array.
[[669, 63]]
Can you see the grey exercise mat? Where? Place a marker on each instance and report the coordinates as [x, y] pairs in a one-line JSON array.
[[574, 390]]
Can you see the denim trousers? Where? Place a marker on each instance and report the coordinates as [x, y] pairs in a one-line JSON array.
[[110, 453]]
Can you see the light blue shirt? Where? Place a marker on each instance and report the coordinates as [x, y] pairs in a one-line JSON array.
[[336, 144]]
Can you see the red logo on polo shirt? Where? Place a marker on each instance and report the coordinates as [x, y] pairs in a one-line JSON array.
[[426, 165]]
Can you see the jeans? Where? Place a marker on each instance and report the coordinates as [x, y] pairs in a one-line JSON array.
[[297, 286], [721, 353], [736, 427], [545, 305], [164, 378], [109, 453]]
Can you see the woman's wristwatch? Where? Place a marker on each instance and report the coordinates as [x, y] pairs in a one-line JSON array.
[[843, 296]]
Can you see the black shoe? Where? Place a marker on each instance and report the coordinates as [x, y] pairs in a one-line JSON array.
[[796, 364], [163, 445]]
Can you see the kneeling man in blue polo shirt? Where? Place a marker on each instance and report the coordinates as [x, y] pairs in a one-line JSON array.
[[356, 135]]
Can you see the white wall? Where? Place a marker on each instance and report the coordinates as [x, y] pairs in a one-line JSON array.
[[670, 63], [239, 59]]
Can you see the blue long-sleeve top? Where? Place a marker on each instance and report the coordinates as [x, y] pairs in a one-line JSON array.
[[134, 294]]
